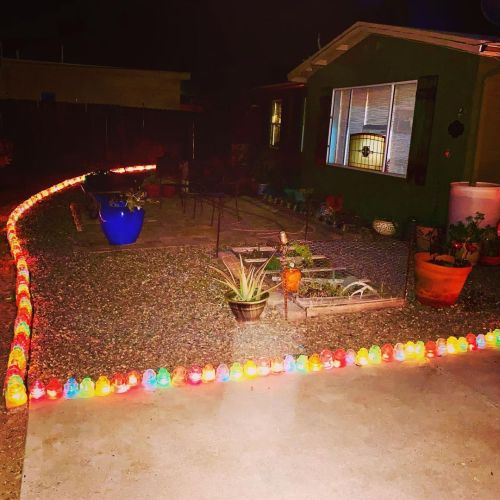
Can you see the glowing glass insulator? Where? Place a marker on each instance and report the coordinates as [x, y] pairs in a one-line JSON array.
[[208, 374], [87, 388], [222, 373], [15, 395], [263, 367], [480, 341], [18, 358], [410, 350], [289, 363], [441, 347], [14, 370], [236, 371], [102, 386], [387, 352], [326, 357], [452, 345], [302, 364], [339, 358], [315, 363], [194, 375], [375, 355], [71, 388], [37, 390], [163, 378], [399, 352], [54, 389], [431, 349], [490, 339], [119, 383], [419, 350], [250, 368], [462, 344], [277, 365], [179, 376], [133, 379], [149, 379], [350, 357], [362, 357], [22, 341], [471, 341]]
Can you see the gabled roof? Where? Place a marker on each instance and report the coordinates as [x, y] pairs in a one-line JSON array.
[[473, 44]]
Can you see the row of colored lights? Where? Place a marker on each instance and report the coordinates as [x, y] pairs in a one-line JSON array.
[[150, 380], [14, 385]]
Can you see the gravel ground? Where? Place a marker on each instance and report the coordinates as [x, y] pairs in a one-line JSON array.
[[97, 313]]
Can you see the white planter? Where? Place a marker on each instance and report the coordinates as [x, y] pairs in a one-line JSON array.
[[466, 200]]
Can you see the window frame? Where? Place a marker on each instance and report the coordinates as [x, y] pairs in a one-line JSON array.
[[388, 129], [275, 126]]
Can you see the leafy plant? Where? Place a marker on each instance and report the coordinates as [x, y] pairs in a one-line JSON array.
[[133, 198], [304, 252], [490, 242], [468, 231], [248, 286], [273, 264]]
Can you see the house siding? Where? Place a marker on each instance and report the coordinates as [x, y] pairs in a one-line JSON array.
[[380, 59]]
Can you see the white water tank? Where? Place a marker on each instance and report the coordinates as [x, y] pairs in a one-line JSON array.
[[466, 200]]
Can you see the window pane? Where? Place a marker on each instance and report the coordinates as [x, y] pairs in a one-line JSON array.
[[275, 129], [368, 119], [401, 125], [338, 129]]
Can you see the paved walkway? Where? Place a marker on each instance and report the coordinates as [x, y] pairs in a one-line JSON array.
[[395, 431]]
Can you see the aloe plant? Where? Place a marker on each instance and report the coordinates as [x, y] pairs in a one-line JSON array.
[[248, 286]]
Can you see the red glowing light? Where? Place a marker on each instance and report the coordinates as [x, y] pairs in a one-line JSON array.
[[54, 389]]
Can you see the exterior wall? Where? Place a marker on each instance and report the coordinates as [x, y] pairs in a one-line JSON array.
[[26, 80], [487, 161], [379, 60]]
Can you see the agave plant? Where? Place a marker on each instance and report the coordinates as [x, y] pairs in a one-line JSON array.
[[248, 286]]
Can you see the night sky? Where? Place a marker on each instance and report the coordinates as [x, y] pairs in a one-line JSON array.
[[224, 44]]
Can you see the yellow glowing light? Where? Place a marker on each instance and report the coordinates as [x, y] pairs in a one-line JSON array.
[[410, 350], [250, 369], [102, 386], [208, 374], [15, 395], [362, 357], [452, 345], [315, 363], [490, 339]]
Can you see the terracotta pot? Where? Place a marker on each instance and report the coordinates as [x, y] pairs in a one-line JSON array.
[[436, 285], [291, 279], [424, 236], [247, 312], [489, 260], [152, 190], [168, 191]]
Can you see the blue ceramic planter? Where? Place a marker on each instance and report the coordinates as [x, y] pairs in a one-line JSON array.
[[120, 225]]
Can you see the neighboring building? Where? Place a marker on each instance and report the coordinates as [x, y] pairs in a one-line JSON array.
[[396, 114], [70, 115]]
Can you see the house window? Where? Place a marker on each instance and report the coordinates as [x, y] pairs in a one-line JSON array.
[[370, 127], [275, 128]]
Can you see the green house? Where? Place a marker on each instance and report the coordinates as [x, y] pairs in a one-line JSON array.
[[394, 115]]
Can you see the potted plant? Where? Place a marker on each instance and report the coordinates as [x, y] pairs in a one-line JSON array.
[[246, 297], [122, 216], [439, 278], [490, 247], [465, 237], [152, 186]]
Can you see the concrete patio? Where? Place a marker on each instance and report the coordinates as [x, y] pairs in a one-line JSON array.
[[395, 431]]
